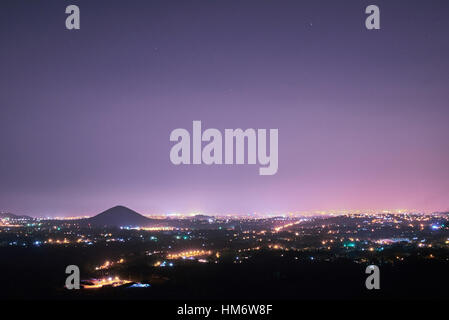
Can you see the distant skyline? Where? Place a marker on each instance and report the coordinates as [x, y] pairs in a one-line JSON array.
[[85, 115], [311, 213]]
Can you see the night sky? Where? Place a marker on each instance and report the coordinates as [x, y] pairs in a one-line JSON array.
[[86, 115]]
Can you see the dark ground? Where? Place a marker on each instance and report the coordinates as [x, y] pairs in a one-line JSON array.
[[39, 273]]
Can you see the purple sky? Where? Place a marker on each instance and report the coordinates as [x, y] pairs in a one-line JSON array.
[[85, 116]]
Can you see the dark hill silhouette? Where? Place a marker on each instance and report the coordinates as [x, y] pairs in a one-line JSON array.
[[7, 215], [119, 216]]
